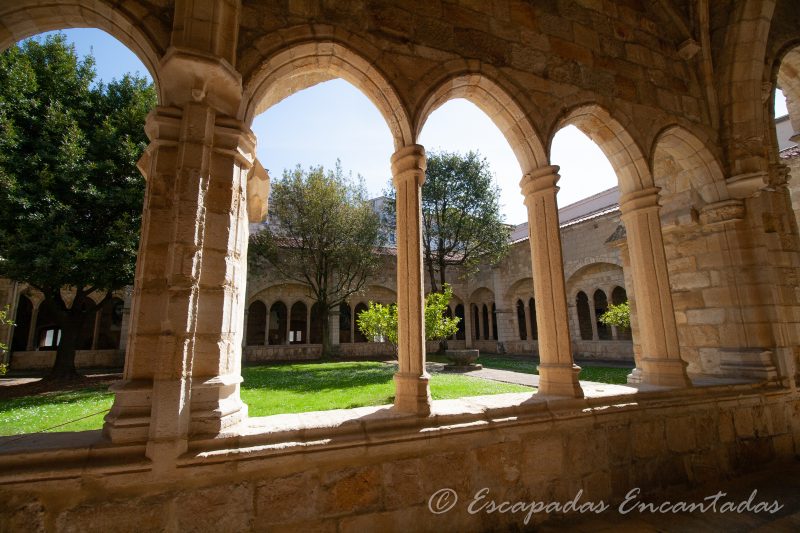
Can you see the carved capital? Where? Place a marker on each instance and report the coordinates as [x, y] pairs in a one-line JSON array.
[[747, 184], [643, 200], [722, 212], [409, 163], [540, 181]]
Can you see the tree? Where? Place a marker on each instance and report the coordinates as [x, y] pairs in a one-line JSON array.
[[4, 321], [70, 192], [380, 321], [462, 225], [323, 233], [618, 315]]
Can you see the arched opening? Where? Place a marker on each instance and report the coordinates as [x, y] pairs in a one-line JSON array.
[[256, 323], [48, 334], [584, 316], [315, 334], [534, 326], [22, 324], [109, 330], [345, 323], [600, 307], [619, 296], [358, 335], [297, 324], [461, 333], [523, 330], [277, 324]]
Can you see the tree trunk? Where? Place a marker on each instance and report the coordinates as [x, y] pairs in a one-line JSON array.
[[327, 351], [71, 324]]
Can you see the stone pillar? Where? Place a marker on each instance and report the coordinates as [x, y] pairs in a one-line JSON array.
[[288, 324], [333, 326], [266, 326], [411, 381], [468, 325], [558, 374], [125, 326], [658, 335], [593, 317], [307, 332], [182, 371], [244, 326]]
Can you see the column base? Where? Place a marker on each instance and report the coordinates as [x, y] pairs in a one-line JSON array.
[[559, 379], [216, 407], [665, 372], [412, 393]]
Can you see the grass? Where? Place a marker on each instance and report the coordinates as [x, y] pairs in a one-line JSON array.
[[266, 390], [589, 372], [33, 413]]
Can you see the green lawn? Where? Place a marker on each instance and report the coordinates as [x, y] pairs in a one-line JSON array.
[[266, 390], [589, 372]]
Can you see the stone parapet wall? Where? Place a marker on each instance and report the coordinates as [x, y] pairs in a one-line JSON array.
[[662, 440], [308, 352], [37, 360], [608, 350]]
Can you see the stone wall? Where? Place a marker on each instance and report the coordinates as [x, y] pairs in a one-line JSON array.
[[315, 471], [44, 359]]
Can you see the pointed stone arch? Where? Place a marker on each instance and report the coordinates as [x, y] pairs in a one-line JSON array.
[[146, 36], [692, 160], [623, 152], [498, 104], [302, 65]]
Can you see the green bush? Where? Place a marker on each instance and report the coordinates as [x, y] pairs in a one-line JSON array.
[[617, 315]]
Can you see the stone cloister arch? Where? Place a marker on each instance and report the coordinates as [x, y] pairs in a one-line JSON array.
[[660, 358], [147, 37]]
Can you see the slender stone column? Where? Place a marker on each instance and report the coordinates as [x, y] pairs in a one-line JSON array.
[[266, 326], [468, 325], [34, 326], [593, 317], [528, 331], [658, 334], [558, 374], [411, 381], [333, 326], [307, 332]]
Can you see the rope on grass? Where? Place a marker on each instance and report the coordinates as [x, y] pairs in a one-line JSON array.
[[20, 437]]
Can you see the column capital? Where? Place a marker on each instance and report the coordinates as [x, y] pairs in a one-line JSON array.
[[721, 212], [540, 180], [644, 199], [409, 163]]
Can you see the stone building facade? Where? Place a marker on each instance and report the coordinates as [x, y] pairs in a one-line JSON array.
[[676, 93], [496, 304]]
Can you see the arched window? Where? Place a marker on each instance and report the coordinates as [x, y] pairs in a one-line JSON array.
[[315, 335], [600, 307], [534, 325], [345, 321], [461, 333], [494, 322], [619, 296], [523, 330], [584, 316], [277, 324], [449, 314], [22, 328], [256, 323], [358, 336], [297, 324], [48, 334], [110, 327], [485, 324]]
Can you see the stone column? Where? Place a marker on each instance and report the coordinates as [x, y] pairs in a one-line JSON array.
[[528, 331], [307, 332], [288, 324], [266, 326], [558, 374], [411, 381], [658, 335], [593, 317], [468, 325], [34, 326], [182, 370], [244, 326], [333, 326], [124, 328]]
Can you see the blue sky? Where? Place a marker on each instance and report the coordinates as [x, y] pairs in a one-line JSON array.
[[306, 128]]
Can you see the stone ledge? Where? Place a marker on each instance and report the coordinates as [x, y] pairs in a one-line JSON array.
[[74, 455]]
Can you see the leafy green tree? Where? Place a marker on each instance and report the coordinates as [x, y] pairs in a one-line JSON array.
[[618, 315], [4, 321], [323, 233], [462, 225], [380, 321], [70, 192]]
